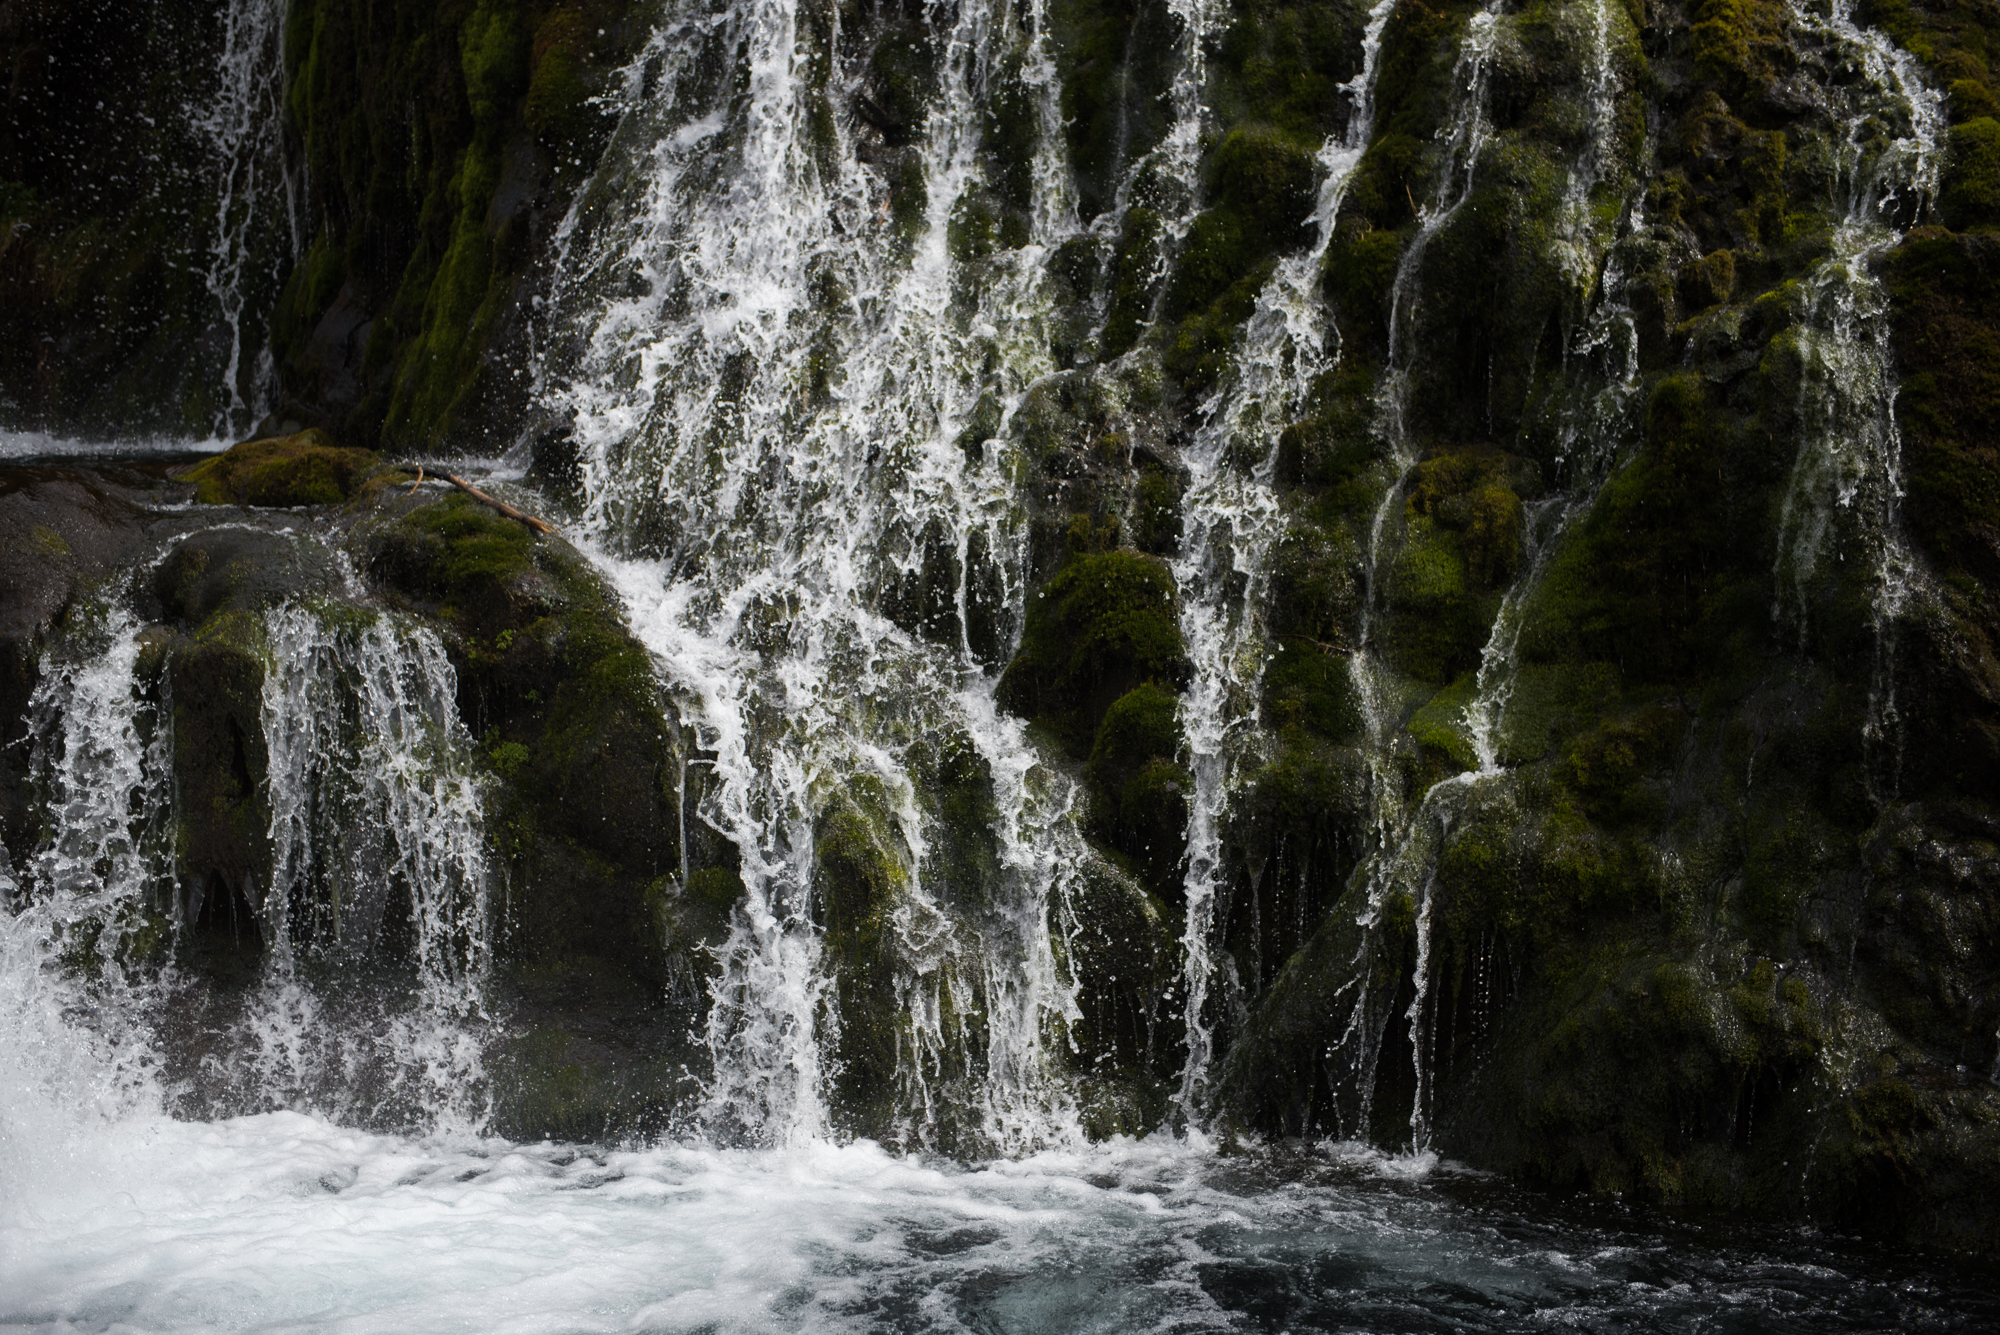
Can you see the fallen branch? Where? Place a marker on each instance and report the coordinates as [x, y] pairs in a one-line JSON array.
[[486, 498], [539, 525]]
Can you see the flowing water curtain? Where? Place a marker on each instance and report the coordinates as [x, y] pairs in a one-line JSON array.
[[255, 228], [89, 907], [377, 837], [785, 382]]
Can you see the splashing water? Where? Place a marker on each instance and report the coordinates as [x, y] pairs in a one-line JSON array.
[[75, 1045], [783, 419]]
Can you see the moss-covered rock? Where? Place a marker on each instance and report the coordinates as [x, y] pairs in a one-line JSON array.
[[860, 872], [546, 664], [1103, 626], [1139, 791], [302, 469]]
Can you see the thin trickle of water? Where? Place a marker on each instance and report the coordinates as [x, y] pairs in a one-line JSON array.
[[1228, 524], [1379, 696], [256, 226], [1601, 382], [1848, 475]]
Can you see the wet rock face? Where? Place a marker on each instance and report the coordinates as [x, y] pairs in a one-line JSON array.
[[1598, 778]]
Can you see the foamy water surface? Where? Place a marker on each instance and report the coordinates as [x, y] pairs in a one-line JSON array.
[[283, 1222]]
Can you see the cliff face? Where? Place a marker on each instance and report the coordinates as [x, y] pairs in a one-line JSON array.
[[1622, 791]]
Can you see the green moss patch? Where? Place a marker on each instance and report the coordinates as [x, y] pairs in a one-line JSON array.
[[305, 469], [1104, 625]]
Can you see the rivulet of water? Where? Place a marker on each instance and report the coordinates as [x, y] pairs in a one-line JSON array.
[[1847, 479], [1229, 520], [256, 222], [1600, 378]]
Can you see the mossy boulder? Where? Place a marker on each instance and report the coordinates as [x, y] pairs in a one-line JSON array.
[[239, 569], [1102, 627], [303, 469], [546, 665], [1139, 790]]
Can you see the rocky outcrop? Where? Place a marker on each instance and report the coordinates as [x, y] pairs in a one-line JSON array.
[[580, 765]]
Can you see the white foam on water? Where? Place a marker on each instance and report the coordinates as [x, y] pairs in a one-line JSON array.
[[284, 1223]]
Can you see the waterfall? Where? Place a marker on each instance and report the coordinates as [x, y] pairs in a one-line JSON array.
[[75, 1038], [375, 815], [255, 233], [781, 432], [1228, 523], [375, 830]]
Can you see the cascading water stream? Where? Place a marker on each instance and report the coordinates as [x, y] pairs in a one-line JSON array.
[[1379, 696], [256, 224], [376, 826], [779, 418], [75, 1041], [1228, 524], [1849, 471], [375, 815], [1602, 380]]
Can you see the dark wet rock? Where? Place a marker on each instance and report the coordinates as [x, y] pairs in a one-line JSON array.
[[240, 570]]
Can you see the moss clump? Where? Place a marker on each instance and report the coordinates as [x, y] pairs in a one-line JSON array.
[[1104, 625], [955, 785], [1607, 766], [558, 105], [1156, 512], [1742, 46], [1635, 583], [1139, 790], [1971, 193], [305, 469]]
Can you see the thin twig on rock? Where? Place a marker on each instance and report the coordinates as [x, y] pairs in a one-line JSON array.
[[486, 498]]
